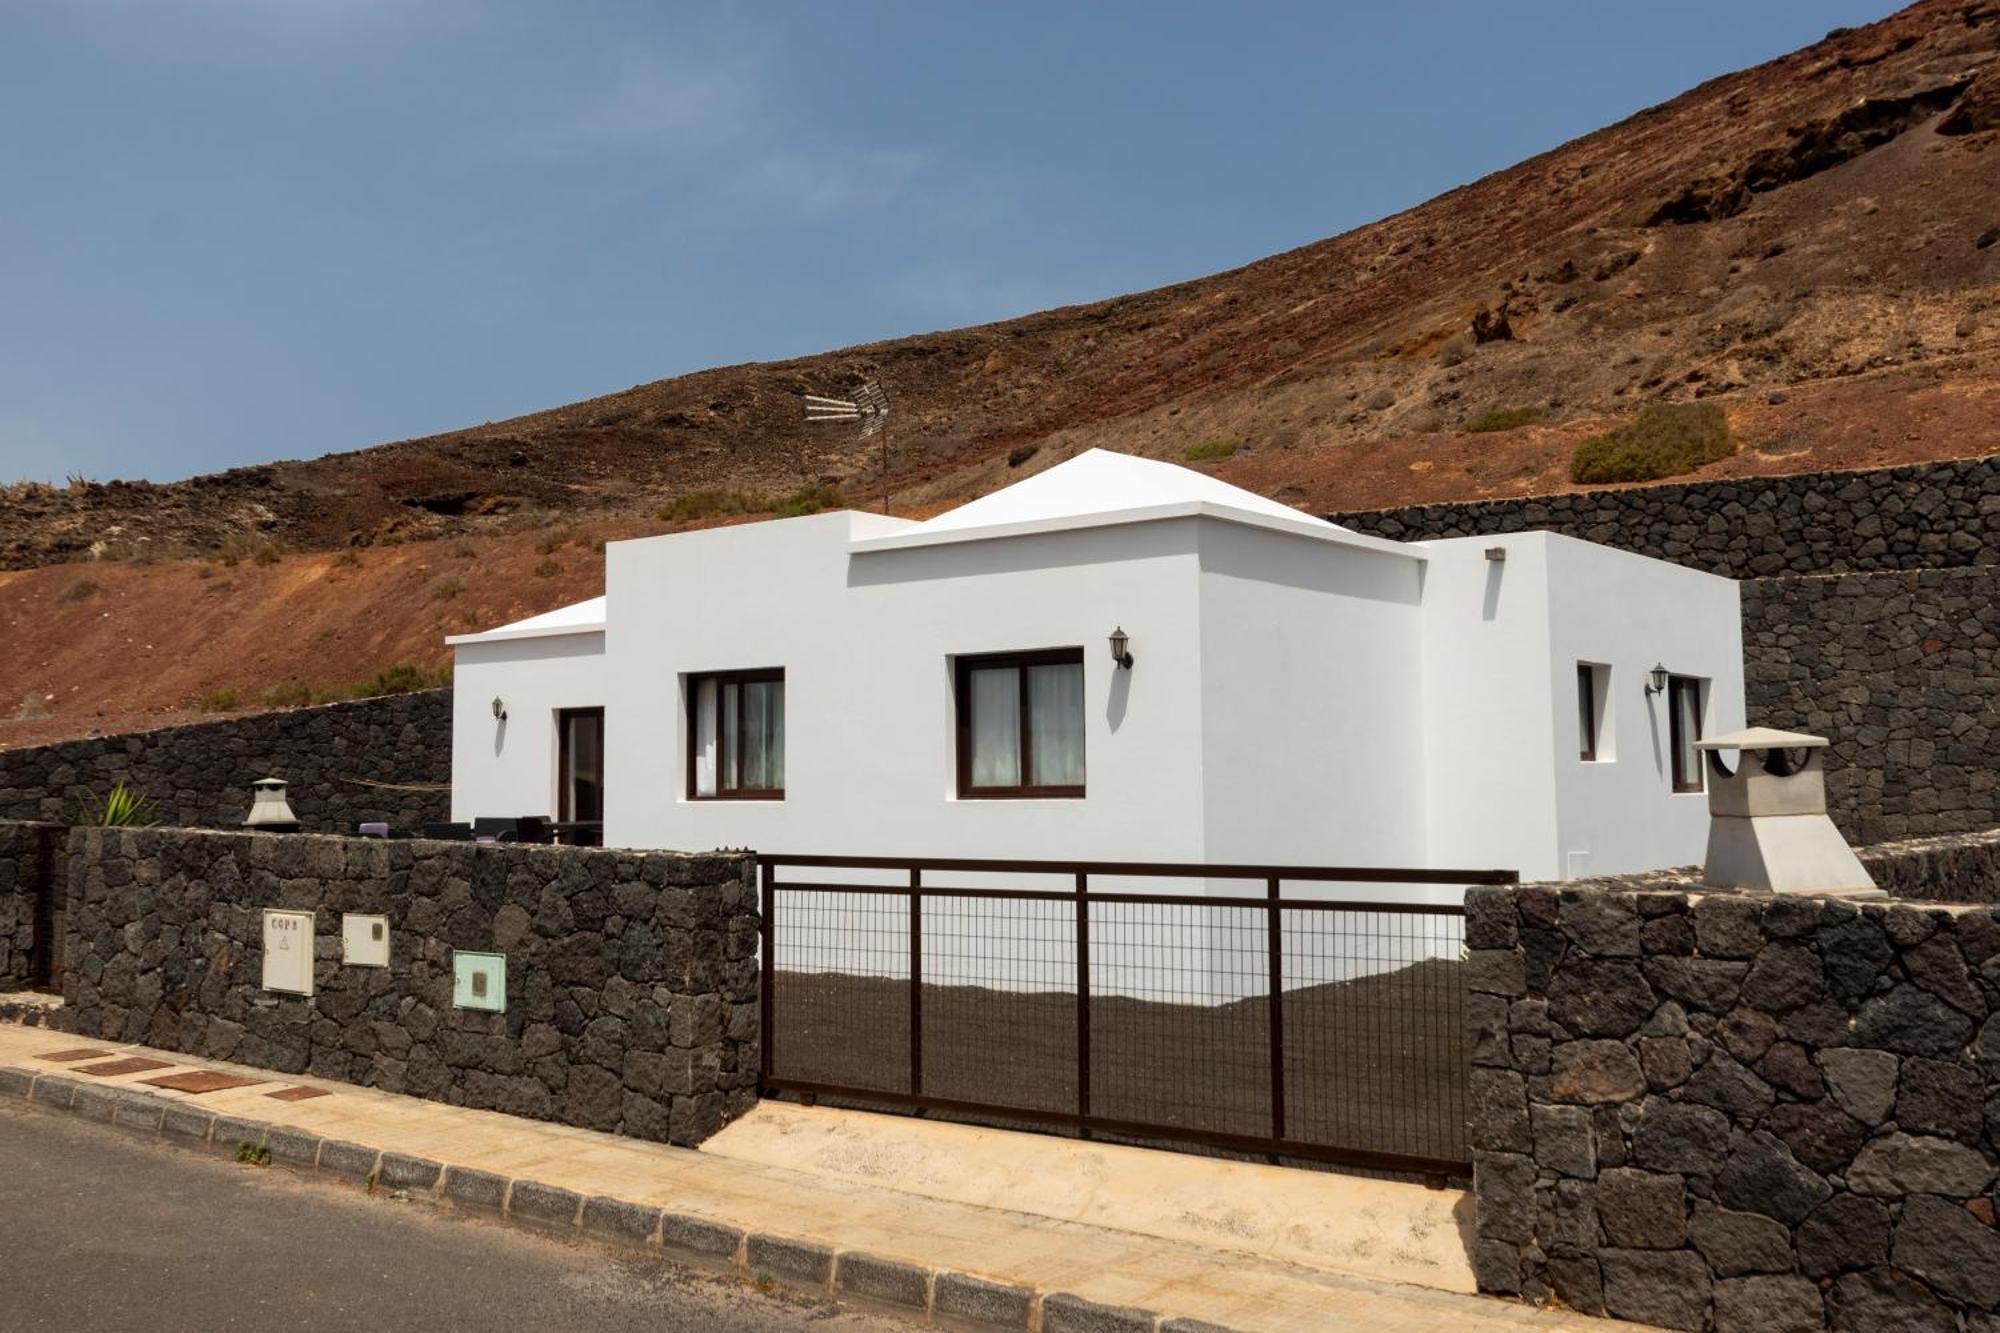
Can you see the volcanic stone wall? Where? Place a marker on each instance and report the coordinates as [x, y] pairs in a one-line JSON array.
[[631, 987], [1924, 516], [1902, 672], [1959, 868], [1736, 1111], [29, 861], [200, 775]]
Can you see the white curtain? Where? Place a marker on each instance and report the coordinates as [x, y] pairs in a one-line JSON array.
[[1055, 724], [1687, 729], [764, 736], [996, 727], [704, 738], [731, 745]]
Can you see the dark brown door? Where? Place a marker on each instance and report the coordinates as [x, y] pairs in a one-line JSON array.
[[580, 784]]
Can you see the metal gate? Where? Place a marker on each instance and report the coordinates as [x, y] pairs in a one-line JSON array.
[[1295, 1019]]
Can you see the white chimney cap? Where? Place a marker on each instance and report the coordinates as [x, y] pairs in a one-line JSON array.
[[1763, 738]]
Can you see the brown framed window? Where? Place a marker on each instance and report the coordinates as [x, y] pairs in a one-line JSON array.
[[1683, 730], [736, 735], [580, 767], [1020, 724]]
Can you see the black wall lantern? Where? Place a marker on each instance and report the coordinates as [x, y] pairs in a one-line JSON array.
[[1119, 652], [1656, 679]]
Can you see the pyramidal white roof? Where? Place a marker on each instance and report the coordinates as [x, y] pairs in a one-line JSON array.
[[576, 618], [1099, 481], [1098, 487]]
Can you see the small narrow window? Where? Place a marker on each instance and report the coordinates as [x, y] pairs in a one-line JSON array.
[[736, 735], [1020, 724], [580, 780], [1594, 743], [1586, 711], [1684, 729]]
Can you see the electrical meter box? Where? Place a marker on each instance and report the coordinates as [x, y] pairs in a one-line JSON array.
[[479, 981], [288, 951], [364, 940]]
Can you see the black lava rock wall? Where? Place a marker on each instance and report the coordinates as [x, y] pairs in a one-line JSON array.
[[1924, 516], [1738, 1112], [1902, 672], [631, 989], [199, 775]]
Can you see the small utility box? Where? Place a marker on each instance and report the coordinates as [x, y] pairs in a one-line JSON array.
[[364, 940], [479, 981], [288, 951]]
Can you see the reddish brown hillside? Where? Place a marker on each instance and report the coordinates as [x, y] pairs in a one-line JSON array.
[[1813, 243]]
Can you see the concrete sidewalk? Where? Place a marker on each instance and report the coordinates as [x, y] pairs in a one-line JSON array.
[[856, 1237]]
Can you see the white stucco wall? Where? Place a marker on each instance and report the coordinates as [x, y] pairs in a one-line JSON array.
[[1293, 700], [509, 768], [1502, 642], [1621, 813], [867, 645], [1309, 701]]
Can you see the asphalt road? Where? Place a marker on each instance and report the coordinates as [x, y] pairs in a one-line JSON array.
[[100, 1231]]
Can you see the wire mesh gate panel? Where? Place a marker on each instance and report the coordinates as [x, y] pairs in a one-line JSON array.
[[1236, 1012]]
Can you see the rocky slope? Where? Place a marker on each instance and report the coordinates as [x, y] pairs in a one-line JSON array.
[[1814, 244]]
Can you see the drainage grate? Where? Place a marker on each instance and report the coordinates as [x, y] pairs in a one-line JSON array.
[[132, 1064], [202, 1080]]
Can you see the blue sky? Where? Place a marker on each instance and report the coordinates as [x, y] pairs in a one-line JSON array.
[[239, 230]]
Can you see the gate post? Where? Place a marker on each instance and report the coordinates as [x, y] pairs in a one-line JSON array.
[[1274, 931], [916, 981], [1083, 997], [767, 1022]]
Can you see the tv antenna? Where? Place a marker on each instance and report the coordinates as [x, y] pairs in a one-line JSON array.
[[869, 407]]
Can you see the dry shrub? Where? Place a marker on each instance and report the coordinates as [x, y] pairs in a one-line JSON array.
[[1666, 440]]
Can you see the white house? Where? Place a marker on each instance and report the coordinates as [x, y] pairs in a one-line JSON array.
[[1295, 693]]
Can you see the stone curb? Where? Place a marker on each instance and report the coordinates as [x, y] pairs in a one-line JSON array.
[[940, 1293]]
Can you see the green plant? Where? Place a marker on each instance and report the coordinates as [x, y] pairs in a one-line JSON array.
[[253, 1154], [465, 551], [403, 678], [446, 588], [1666, 440], [80, 591], [712, 503], [121, 807], [547, 569], [1503, 418], [549, 545], [809, 500], [216, 701], [347, 560], [289, 694], [1209, 451]]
